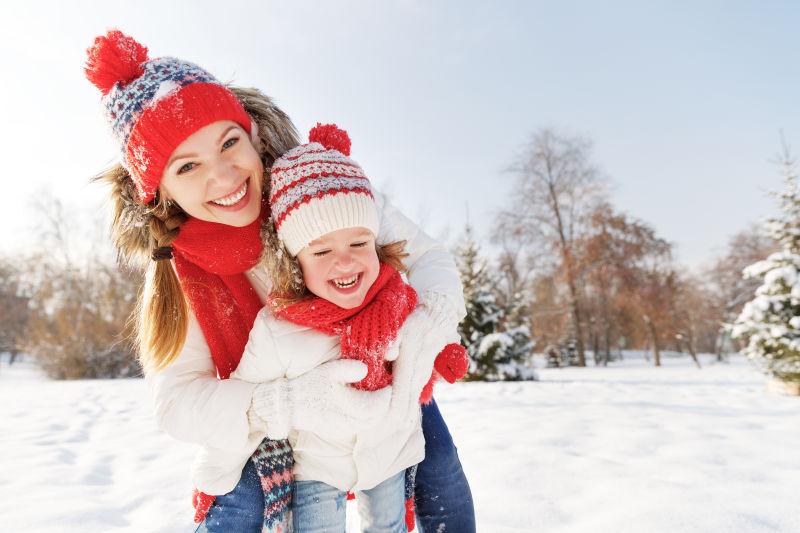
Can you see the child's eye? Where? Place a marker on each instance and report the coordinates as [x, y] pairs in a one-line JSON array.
[[230, 142], [186, 167], [359, 244], [321, 253]]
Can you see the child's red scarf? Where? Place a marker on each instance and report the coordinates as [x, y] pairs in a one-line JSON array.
[[365, 331]]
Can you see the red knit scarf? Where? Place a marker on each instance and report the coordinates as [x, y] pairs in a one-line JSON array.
[[365, 331], [211, 260]]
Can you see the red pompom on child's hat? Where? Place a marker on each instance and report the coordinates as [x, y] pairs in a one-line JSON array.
[[331, 137], [114, 57]]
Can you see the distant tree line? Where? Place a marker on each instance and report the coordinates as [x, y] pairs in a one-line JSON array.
[[66, 303], [586, 280]]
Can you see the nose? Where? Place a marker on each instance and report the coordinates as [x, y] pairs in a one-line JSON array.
[[344, 260], [224, 174]]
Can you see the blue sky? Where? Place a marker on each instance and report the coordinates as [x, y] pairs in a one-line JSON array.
[[684, 100]]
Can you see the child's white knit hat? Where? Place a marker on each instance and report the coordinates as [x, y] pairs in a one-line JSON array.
[[316, 189]]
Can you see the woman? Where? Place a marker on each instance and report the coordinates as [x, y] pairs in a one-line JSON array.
[[188, 200]]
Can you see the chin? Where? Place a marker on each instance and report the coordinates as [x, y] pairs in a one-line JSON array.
[[241, 219], [349, 304]]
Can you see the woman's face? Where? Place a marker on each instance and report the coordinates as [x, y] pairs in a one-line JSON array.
[[215, 175]]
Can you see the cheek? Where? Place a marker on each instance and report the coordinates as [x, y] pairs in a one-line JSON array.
[[187, 195], [185, 192], [314, 277], [372, 266]]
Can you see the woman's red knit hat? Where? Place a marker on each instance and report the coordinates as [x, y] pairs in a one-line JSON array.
[[153, 105]]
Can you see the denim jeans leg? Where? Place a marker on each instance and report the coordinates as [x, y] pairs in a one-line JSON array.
[[240, 510], [318, 508], [442, 495], [382, 508]]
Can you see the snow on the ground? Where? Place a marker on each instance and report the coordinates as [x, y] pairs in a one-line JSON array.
[[628, 448]]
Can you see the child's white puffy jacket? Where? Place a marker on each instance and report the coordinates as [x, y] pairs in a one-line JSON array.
[[193, 405], [341, 458]]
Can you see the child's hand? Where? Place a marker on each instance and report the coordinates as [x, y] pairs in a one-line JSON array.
[[320, 401], [426, 330], [452, 362]]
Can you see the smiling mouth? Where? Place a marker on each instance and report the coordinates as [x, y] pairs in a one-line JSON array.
[[346, 283], [232, 199]]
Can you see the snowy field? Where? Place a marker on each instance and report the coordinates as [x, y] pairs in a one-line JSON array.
[[628, 448]]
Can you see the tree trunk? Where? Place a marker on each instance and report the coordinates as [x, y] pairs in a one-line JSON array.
[[720, 344], [654, 340], [690, 343], [566, 255]]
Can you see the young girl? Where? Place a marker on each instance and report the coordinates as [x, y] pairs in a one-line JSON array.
[[336, 291], [188, 200]]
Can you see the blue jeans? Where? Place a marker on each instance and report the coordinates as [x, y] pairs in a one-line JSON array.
[[242, 509], [442, 494], [320, 508]]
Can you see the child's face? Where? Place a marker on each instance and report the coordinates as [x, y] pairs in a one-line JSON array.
[[341, 266], [215, 175]]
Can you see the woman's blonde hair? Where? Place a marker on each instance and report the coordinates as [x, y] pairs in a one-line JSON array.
[[162, 313]]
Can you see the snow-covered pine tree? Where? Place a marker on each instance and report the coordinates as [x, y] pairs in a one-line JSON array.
[[515, 324], [770, 322], [493, 355]]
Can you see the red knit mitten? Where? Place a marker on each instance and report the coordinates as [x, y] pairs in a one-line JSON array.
[[452, 362], [201, 503]]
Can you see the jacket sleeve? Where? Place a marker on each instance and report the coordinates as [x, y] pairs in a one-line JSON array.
[[431, 268], [261, 360], [193, 405]]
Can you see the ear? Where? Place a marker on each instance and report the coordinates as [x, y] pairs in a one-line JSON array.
[[254, 138]]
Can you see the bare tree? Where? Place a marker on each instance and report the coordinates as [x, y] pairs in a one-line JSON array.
[[557, 185], [14, 310], [80, 302], [731, 289]]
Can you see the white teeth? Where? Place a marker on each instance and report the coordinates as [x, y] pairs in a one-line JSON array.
[[346, 282], [233, 198]]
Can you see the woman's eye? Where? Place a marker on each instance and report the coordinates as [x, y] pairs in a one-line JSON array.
[[359, 244], [321, 253], [230, 142], [186, 168]]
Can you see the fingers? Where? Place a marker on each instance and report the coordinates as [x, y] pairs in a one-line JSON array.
[[345, 370], [367, 404]]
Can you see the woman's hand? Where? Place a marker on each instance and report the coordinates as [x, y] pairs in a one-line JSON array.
[[427, 330], [321, 401]]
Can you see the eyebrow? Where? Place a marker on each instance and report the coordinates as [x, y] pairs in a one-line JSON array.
[[188, 156]]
